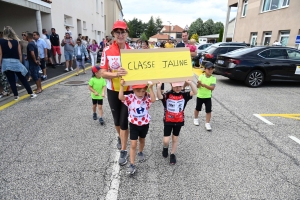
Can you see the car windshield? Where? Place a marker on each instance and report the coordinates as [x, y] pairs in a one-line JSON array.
[[206, 48], [211, 49]]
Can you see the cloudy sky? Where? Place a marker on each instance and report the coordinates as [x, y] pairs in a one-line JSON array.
[[178, 12]]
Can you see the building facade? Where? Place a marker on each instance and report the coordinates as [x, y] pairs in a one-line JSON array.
[[261, 22], [85, 17]]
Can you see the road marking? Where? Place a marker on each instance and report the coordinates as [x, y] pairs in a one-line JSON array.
[[113, 192], [44, 87], [263, 119], [295, 139], [289, 116]]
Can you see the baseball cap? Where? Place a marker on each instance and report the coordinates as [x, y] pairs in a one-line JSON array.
[[120, 24], [139, 86], [177, 84], [95, 69], [208, 65]]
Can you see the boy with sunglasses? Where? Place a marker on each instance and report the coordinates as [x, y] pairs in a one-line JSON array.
[[206, 84]]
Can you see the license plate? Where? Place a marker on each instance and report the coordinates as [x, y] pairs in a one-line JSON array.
[[221, 62]]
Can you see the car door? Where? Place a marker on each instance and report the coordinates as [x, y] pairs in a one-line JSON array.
[[275, 63], [294, 62]]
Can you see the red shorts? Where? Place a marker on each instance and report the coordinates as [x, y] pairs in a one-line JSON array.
[[56, 49]]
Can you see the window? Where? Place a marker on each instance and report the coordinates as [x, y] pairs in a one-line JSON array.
[[274, 4], [253, 39], [92, 27], [284, 37], [267, 38], [84, 24], [274, 53], [293, 54], [102, 11], [68, 20], [97, 6], [178, 35], [245, 8]]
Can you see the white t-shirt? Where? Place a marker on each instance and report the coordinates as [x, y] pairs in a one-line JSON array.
[[48, 43]]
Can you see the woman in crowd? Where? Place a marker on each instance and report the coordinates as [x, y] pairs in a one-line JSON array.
[[112, 71], [93, 49], [11, 61], [80, 53], [24, 44]]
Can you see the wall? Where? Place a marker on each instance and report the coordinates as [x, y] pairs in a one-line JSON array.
[[275, 21]]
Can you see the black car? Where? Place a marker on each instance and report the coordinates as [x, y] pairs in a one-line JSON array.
[[219, 48], [258, 64]]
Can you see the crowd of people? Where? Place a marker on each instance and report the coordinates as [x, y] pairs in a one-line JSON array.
[[129, 104]]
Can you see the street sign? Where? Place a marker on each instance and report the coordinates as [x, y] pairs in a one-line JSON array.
[[298, 39]]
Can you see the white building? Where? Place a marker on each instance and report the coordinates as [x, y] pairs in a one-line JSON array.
[[85, 17]]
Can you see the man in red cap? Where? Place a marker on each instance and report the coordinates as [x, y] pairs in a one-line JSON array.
[[138, 105], [112, 71]]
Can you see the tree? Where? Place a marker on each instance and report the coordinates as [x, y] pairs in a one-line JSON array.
[[195, 36], [217, 27], [144, 37], [151, 29], [196, 27], [221, 35], [158, 24], [136, 27], [208, 27]]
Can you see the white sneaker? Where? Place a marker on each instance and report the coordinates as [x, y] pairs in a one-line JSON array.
[[196, 122], [32, 96], [66, 69], [157, 99], [18, 85], [207, 126], [71, 68]]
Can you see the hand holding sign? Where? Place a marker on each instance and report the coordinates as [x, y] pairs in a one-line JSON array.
[[121, 71]]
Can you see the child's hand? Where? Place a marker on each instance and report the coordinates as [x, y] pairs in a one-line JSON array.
[[122, 82], [150, 84], [199, 83], [189, 82], [96, 93], [103, 95]]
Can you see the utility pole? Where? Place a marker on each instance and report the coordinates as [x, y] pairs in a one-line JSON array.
[[169, 29]]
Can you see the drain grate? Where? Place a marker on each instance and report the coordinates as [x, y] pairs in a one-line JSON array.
[[75, 83]]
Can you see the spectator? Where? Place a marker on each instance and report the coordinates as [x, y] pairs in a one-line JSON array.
[[24, 44], [54, 39], [10, 61], [93, 49], [43, 54], [169, 44], [68, 31], [45, 36], [68, 44], [80, 53]]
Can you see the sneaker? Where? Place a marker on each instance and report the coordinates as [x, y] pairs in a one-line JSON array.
[[207, 126], [165, 152], [16, 98], [71, 68], [18, 85], [131, 169], [66, 69], [101, 121], [141, 157], [32, 96], [95, 116], [40, 71], [45, 77], [123, 157], [119, 145], [196, 122], [172, 159]]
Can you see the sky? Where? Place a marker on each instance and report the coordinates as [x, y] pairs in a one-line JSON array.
[[177, 12]]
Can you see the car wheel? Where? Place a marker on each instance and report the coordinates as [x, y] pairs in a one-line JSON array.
[[255, 78]]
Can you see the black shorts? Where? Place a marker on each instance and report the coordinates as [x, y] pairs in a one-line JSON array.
[[43, 63], [169, 128], [97, 101], [206, 102], [118, 109], [138, 131], [49, 52]]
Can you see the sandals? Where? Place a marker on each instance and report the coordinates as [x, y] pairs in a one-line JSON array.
[[38, 92]]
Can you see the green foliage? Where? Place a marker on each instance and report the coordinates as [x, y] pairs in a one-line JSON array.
[[196, 27], [221, 35], [206, 28], [195, 36], [151, 29], [158, 24], [217, 27], [144, 37], [136, 27]]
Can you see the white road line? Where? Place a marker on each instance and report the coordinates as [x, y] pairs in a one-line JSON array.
[[112, 194], [263, 119], [295, 139]]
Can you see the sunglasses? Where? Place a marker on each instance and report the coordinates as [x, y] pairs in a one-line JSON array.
[[23, 34], [120, 33]]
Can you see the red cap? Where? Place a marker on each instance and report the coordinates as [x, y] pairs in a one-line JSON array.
[[139, 86], [95, 69], [119, 24]]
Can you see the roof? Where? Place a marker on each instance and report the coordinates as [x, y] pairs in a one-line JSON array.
[[214, 36], [168, 29], [160, 36]]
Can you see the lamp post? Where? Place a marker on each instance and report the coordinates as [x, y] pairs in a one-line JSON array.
[[169, 29]]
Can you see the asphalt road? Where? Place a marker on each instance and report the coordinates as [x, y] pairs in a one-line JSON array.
[[50, 148]]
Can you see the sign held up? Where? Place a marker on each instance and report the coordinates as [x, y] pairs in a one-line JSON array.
[[165, 65]]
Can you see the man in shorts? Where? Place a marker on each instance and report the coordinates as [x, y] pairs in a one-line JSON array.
[[68, 44], [54, 39]]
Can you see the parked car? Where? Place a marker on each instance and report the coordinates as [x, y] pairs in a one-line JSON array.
[[256, 65], [202, 47], [219, 48]]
